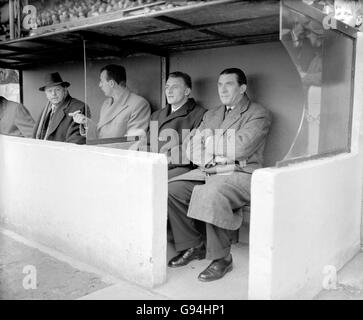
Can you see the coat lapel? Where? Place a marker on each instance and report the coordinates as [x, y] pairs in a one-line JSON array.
[[163, 116], [112, 108], [2, 106], [181, 112], [58, 116], [217, 121], [235, 114]]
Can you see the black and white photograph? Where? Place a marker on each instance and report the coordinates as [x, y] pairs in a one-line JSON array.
[[196, 151]]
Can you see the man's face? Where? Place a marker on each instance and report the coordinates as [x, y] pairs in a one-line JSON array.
[[105, 84], [176, 90], [56, 94], [230, 92]]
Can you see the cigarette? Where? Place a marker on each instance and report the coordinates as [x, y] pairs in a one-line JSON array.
[[71, 114]]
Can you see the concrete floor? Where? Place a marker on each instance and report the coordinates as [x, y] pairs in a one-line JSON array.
[[349, 282], [26, 273], [182, 283], [60, 277]]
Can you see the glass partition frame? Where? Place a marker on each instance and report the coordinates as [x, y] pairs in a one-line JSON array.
[[297, 20]]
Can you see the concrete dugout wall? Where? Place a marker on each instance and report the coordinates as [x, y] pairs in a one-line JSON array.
[[359, 99], [92, 203], [305, 218]]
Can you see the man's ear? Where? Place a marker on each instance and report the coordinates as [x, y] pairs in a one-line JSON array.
[[243, 88], [187, 91]]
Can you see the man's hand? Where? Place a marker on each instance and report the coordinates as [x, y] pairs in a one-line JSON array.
[[78, 117], [220, 160]]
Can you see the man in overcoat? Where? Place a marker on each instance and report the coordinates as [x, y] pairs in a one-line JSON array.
[[123, 113], [56, 121], [227, 147], [15, 119], [169, 127]]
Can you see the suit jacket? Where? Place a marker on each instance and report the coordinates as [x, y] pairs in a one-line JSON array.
[[62, 127], [166, 131], [233, 148], [128, 116], [15, 119]]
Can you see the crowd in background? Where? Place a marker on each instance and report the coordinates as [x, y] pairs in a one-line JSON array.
[[52, 12], [347, 11], [71, 10]]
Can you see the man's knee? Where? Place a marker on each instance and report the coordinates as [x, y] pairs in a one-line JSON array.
[[212, 191]]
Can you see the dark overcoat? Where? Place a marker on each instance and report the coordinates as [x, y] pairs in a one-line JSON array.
[[62, 127], [169, 136]]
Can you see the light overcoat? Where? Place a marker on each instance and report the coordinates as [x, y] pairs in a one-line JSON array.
[[128, 116], [226, 168]]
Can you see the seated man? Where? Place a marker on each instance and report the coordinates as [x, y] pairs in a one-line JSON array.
[[123, 113], [56, 121], [15, 119], [227, 147], [181, 113]]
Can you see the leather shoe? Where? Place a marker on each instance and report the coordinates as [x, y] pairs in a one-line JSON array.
[[217, 269], [186, 256]]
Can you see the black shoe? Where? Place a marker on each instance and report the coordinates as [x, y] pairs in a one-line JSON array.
[[217, 269], [183, 258]]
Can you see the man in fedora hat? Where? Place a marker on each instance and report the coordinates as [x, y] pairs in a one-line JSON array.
[[56, 121]]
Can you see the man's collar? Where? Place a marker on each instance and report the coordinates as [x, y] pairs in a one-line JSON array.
[[175, 109], [122, 97], [242, 103], [180, 106]]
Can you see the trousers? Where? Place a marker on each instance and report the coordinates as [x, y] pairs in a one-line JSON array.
[[188, 232]]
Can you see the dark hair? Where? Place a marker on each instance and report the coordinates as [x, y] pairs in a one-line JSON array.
[[115, 72], [241, 77], [186, 77]]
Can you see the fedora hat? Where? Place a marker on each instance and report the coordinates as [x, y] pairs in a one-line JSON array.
[[53, 79]]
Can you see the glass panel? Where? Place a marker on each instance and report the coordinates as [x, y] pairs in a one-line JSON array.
[[121, 91], [324, 61]]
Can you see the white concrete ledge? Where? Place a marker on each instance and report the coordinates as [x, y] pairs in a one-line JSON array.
[[106, 207], [303, 218]]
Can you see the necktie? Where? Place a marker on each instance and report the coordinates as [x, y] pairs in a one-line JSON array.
[[47, 122], [228, 110]]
